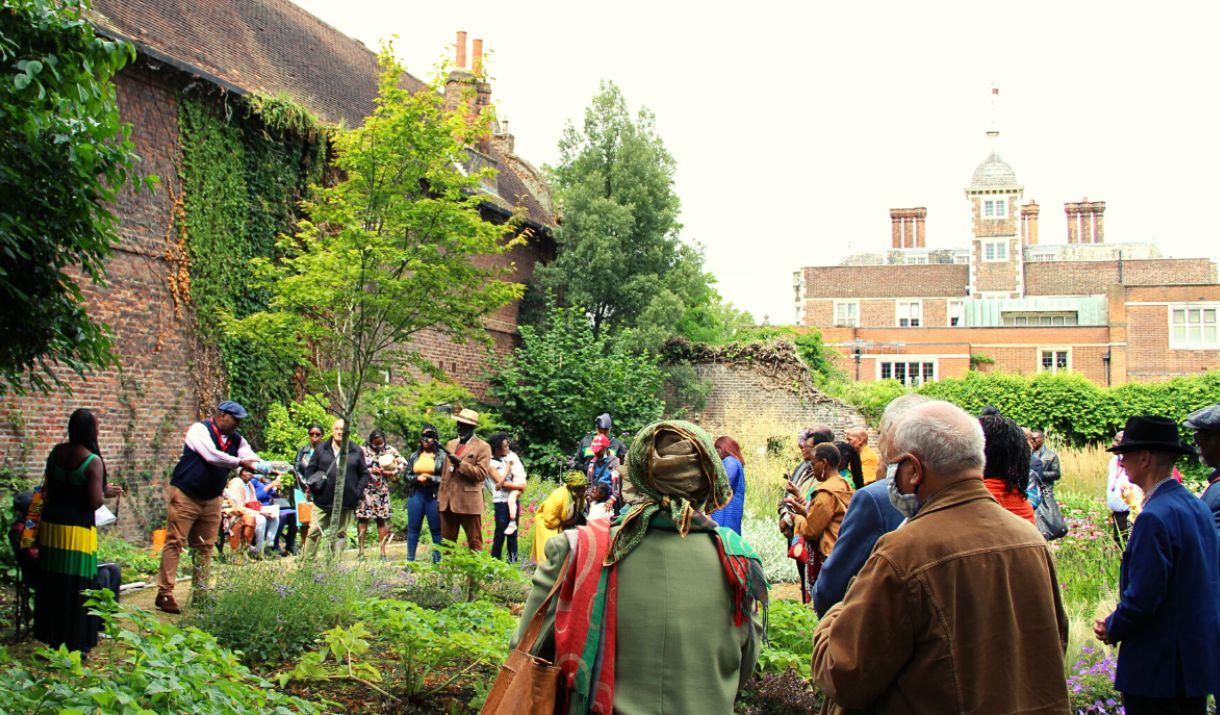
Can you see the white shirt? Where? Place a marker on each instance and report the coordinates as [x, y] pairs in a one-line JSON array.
[[516, 475], [199, 440]]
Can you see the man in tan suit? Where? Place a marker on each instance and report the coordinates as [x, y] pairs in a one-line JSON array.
[[467, 467]]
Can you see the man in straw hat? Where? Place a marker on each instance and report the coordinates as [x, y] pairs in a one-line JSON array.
[[1169, 586], [659, 612], [467, 467]]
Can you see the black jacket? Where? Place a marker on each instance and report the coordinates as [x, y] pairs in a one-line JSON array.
[[433, 481], [323, 463]]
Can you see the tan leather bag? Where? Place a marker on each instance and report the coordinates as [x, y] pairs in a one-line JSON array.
[[526, 683]]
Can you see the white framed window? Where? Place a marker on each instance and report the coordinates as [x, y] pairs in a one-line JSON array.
[[917, 259], [847, 313], [910, 372], [995, 251], [955, 313], [909, 313], [961, 258], [1193, 327], [1053, 360], [995, 208]]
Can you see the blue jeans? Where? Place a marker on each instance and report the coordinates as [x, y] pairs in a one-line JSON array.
[[502, 522], [422, 503]]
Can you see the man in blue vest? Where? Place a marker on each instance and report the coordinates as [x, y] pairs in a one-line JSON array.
[[1167, 618], [212, 449]]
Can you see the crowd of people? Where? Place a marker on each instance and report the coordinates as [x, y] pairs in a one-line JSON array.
[[926, 558]]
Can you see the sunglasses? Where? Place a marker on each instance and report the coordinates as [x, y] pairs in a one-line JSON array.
[[315, 434]]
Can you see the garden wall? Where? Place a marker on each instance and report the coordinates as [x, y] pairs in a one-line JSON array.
[[765, 385]]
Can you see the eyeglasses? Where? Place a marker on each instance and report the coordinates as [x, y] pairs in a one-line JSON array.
[[315, 434]]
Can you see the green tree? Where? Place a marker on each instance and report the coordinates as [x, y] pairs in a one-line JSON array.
[[64, 159], [385, 253], [563, 376], [619, 256]]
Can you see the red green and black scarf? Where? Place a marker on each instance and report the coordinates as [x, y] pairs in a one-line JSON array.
[[587, 613]]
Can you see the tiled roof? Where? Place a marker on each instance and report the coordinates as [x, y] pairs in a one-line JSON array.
[[270, 47]]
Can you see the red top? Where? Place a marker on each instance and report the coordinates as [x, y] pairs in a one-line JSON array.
[[1012, 501]]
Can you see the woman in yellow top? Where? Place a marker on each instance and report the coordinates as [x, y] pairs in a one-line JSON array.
[[423, 470], [819, 516], [558, 512]]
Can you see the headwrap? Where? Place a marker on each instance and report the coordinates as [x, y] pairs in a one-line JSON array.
[[575, 479], [672, 466]]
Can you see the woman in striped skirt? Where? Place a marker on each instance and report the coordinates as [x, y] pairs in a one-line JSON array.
[[67, 538]]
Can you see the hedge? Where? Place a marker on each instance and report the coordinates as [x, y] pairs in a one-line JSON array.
[[1067, 405]]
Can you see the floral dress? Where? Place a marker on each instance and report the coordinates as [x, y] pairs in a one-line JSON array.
[[375, 504]]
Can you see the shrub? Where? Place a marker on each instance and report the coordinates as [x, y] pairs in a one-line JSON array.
[[164, 669], [789, 643], [132, 560], [419, 641], [288, 425], [1091, 683], [1087, 559], [779, 694], [763, 534], [470, 573], [271, 611], [1070, 406], [870, 398], [562, 377]]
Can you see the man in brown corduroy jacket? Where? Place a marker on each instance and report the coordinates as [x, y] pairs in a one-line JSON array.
[[460, 496], [958, 610]]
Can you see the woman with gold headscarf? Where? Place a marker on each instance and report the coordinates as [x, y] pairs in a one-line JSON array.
[[558, 511], [659, 610]]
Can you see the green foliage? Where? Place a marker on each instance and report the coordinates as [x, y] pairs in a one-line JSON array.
[[288, 426], [562, 376], [135, 562], [1071, 407], [789, 643], [242, 176], [1091, 682], [162, 669], [1087, 559], [870, 398], [383, 254], [619, 255], [472, 572], [269, 612], [808, 343], [63, 162], [403, 410]]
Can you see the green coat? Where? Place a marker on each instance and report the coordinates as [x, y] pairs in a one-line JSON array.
[[678, 650]]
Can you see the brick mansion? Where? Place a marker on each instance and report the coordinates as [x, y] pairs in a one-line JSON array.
[[1113, 312]]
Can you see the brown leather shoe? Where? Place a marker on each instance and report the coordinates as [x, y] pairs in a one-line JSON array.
[[167, 603]]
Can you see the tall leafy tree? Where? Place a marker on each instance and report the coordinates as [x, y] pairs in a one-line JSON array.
[[385, 253], [65, 156], [619, 237], [620, 257]]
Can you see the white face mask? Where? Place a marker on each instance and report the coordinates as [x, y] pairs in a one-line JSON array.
[[906, 504]]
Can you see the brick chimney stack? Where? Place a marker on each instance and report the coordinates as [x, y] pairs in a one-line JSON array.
[[1029, 224], [1085, 221], [907, 227], [468, 88]]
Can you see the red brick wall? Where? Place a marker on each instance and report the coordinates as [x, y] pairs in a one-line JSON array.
[[938, 279], [1148, 356], [1095, 277], [145, 405]]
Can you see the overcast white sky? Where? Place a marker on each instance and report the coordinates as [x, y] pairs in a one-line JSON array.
[[796, 126]]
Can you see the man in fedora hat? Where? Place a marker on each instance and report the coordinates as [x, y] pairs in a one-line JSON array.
[[1169, 586], [1206, 424], [467, 467]]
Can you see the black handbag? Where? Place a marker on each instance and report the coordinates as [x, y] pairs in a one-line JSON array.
[[1049, 517]]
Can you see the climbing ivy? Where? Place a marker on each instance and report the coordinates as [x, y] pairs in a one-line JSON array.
[[243, 171]]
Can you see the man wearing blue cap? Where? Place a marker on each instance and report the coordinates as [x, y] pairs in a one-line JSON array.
[[213, 448], [1206, 424]]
